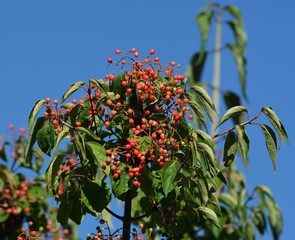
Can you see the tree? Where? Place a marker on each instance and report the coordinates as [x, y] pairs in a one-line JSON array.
[[140, 135]]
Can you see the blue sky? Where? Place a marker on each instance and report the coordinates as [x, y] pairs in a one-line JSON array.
[[46, 46]]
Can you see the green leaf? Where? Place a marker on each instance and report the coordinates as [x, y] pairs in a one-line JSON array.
[[238, 49], [203, 96], [208, 150], [275, 121], [33, 133], [60, 136], [237, 25], [228, 200], [73, 88], [101, 84], [88, 132], [263, 190], [169, 172], [63, 211], [98, 153], [274, 218], [145, 144], [34, 112], [196, 107], [76, 212], [205, 137], [196, 67], [204, 99], [203, 20], [243, 143], [45, 138], [250, 230], [203, 188], [231, 100], [209, 215], [118, 88], [3, 215], [240, 60], [230, 149], [271, 143], [96, 195], [120, 186], [52, 170], [231, 113], [1, 184], [3, 153]]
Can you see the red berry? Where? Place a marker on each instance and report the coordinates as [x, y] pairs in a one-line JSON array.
[[78, 124], [118, 51], [136, 183], [152, 51], [172, 63], [190, 116], [133, 50], [107, 124], [110, 60], [131, 121], [109, 102], [47, 99], [129, 111], [23, 230]]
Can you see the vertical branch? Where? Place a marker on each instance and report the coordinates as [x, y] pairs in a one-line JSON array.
[[216, 71], [127, 215]]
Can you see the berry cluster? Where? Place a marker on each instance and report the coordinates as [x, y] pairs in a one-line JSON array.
[[138, 109]]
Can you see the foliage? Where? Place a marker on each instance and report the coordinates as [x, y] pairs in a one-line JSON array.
[[23, 200], [133, 140], [140, 136]]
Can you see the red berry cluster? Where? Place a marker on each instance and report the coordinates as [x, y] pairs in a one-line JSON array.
[[148, 102]]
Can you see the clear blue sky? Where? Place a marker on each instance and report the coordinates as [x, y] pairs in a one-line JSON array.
[[47, 45]]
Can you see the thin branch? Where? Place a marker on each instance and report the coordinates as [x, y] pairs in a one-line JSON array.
[[144, 215], [114, 214], [250, 121]]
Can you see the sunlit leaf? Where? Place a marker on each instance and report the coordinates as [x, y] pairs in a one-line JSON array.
[[275, 121], [45, 138], [228, 200], [98, 153], [208, 150], [243, 143], [196, 107], [33, 138], [34, 112], [240, 60], [231, 113], [271, 143], [230, 148], [169, 172], [231, 100], [60, 136], [203, 188], [120, 186], [73, 88], [52, 170], [203, 20], [88, 132], [210, 215]]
